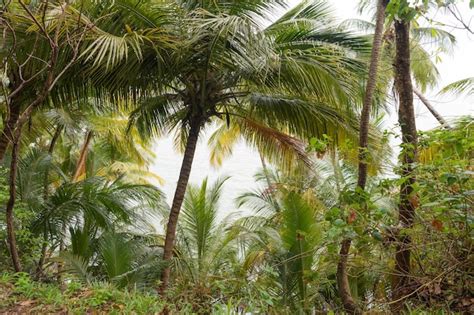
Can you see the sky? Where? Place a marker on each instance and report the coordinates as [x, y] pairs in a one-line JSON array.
[[245, 161]]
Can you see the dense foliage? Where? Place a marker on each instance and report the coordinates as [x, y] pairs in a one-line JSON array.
[[333, 224]]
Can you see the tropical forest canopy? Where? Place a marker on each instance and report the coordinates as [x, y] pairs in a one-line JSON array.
[[346, 216]]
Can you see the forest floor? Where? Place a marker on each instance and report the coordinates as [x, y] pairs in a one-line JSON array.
[[20, 295]]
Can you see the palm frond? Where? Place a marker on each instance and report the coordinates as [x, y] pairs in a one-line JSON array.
[[462, 86], [77, 266]]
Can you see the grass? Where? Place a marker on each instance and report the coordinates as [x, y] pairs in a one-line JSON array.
[[19, 294]]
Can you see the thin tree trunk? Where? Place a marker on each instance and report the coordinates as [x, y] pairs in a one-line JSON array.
[[369, 93], [16, 137], [350, 305], [11, 204], [50, 80], [432, 110], [60, 263], [7, 133], [52, 144], [81, 162], [183, 179], [408, 198], [55, 139]]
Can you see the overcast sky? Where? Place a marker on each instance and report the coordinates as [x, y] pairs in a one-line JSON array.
[[245, 161]]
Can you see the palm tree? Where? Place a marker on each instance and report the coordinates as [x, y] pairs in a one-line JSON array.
[[343, 282], [422, 69], [287, 236], [203, 242], [207, 245], [113, 154], [291, 78], [102, 218]]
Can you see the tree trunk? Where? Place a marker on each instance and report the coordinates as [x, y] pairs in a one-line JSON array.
[[408, 199], [343, 285], [42, 259], [16, 137], [342, 277], [432, 110], [81, 162], [52, 144], [7, 133], [11, 204], [55, 139], [369, 93], [178, 199]]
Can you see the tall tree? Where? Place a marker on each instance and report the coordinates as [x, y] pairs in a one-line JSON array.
[[278, 82], [342, 278], [403, 13], [408, 198]]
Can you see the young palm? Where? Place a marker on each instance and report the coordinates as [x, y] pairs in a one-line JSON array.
[[206, 244], [101, 217]]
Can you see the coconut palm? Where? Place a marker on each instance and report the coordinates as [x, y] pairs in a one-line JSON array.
[[343, 282], [424, 73], [292, 78]]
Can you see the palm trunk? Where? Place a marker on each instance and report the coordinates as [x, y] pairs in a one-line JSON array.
[[183, 179], [408, 198], [431, 109], [369, 93], [342, 277], [7, 133]]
